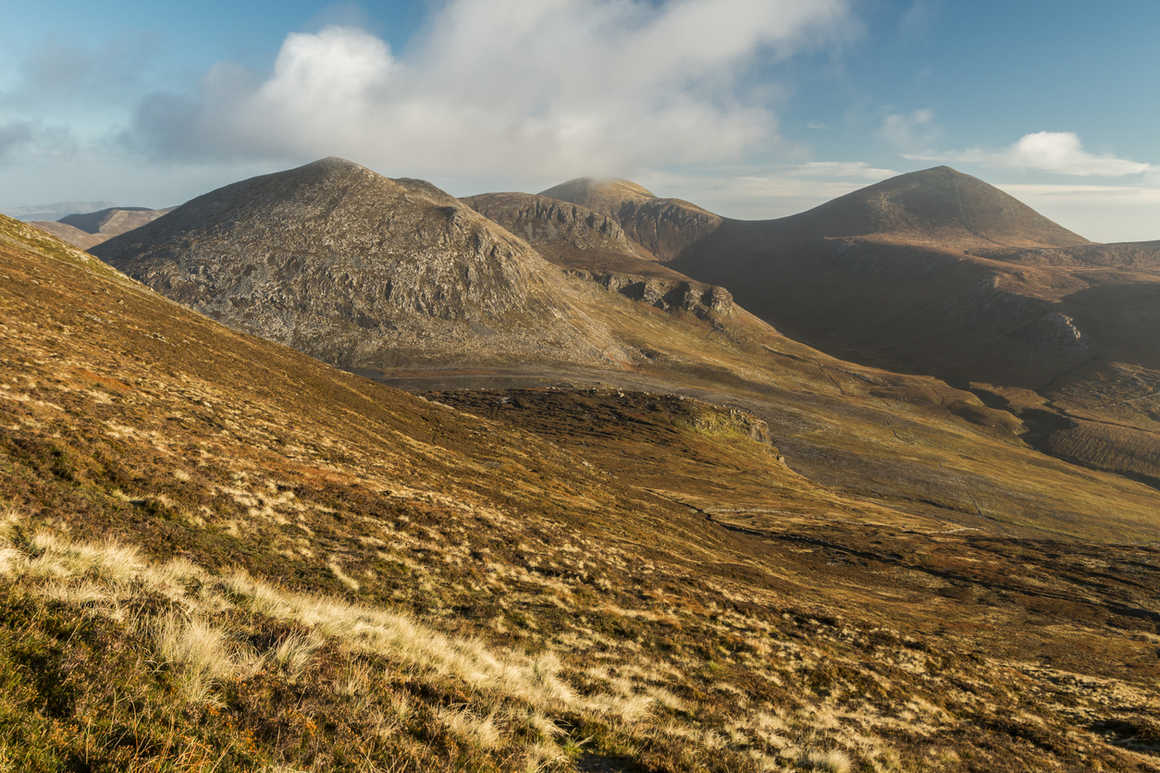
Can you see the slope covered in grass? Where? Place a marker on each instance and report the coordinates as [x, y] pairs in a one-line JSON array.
[[219, 553]]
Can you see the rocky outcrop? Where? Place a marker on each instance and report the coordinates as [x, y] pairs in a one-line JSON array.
[[705, 301], [1055, 330], [548, 223], [665, 227], [361, 271]]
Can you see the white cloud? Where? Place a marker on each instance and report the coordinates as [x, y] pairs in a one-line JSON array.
[[857, 170], [14, 134], [550, 88], [35, 140], [1127, 193], [770, 192], [1055, 152], [909, 132], [1103, 213]]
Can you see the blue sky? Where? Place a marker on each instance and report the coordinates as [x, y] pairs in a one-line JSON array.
[[753, 108]]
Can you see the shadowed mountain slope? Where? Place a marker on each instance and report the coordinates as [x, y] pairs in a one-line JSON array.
[[888, 275], [360, 270], [938, 272], [277, 564]]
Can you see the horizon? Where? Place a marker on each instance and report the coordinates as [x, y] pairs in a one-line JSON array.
[[752, 110], [663, 195]]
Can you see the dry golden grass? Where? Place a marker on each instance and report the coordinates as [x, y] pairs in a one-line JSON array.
[[645, 592]]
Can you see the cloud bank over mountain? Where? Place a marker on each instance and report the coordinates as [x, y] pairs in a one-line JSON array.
[[552, 88], [753, 108], [1044, 151]]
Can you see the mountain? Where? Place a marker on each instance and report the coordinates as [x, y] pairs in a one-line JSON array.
[[664, 227], [567, 234], [69, 234], [939, 206], [890, 274], [217, 551], [937, 272], [86, 230], [593, 246], [548, 222], [362, 271]]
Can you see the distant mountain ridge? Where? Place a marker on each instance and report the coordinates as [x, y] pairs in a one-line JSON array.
[[938, 205], [88, 229]]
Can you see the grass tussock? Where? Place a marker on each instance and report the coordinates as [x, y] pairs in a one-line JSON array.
[[202, 633], [832, 761], [199, 650]]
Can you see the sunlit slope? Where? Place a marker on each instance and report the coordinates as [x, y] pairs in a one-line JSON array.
[[218, 551], [360, 270]]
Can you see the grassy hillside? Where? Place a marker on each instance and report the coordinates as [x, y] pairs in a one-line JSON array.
[[221, 554]]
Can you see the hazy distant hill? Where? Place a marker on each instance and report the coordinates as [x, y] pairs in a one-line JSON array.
[[88, 229], [56, 210]]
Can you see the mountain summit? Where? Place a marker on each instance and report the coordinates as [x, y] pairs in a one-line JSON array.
[[938, 204], [359, 270], [664, 227], [599, 194]]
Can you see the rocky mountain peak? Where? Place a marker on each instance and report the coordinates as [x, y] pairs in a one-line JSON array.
[[359, 270], [665, 227]]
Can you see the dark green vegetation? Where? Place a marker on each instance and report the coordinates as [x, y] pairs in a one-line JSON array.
[[219, 553]]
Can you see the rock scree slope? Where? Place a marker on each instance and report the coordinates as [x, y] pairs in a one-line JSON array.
[[361, 271]]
